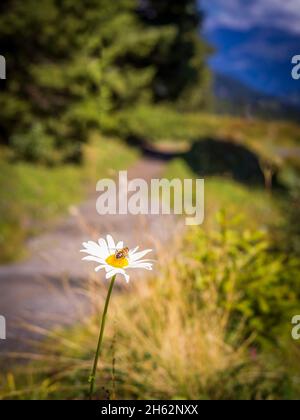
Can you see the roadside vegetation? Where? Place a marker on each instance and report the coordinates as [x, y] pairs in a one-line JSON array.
[[214, 319], [228, 300]]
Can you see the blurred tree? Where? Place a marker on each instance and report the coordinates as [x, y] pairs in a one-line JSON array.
[[182, 75], [71, 64]]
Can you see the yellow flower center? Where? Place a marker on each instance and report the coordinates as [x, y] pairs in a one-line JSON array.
[[117, 262]]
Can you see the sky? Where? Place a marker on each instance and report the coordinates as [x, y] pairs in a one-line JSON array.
[[255, 41]]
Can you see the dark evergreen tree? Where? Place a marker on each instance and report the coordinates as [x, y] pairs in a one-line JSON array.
[[182, 75]]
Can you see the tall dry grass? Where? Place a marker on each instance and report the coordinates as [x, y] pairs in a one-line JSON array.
[[161, 342]]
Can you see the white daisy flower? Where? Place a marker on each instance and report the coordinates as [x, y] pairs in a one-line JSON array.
[[114, 258]]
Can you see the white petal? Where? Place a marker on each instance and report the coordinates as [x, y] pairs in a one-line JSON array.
[[121, 272], [138, 255], [142, 265], [87, 245], [99, 267], [103, 245], [132, 251], [92, 258], [127, 277], [114, 271], [120, 245], [93, 248], [111, 243], [109, 274]]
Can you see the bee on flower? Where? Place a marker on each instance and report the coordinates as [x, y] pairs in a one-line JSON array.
[[114, 258]]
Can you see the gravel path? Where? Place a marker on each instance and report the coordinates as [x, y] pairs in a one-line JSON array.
[[36, 290]]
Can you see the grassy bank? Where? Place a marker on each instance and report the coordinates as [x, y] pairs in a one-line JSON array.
[[147, 123], [252, 205], [34, 196]]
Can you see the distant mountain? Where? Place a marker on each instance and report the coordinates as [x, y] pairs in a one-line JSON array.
[[259, 56], [235, 97]]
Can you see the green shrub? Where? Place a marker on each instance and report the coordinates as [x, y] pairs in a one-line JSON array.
[[35, 145], [153, 123], [260, 286]]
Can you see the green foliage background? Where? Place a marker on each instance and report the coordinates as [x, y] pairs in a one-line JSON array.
[[73, 65]]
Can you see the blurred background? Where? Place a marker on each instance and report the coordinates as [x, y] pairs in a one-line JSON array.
[[164, 89]]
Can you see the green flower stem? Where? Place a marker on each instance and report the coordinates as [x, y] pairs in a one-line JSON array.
[[98, 351]]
